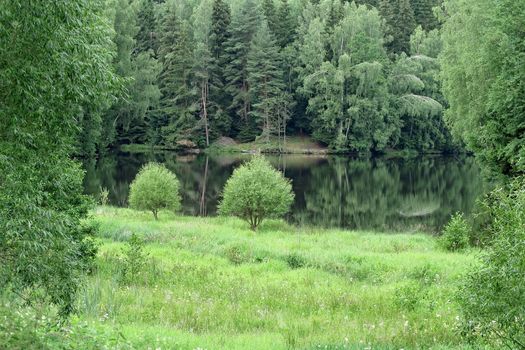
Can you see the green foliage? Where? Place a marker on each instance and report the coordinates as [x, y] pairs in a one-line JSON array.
[[155, 188], [176, 116], [134, 258], [127, 120], [348, 97], [42, 245], [23, 329], [269, 105], [237, 254], [146, 38], [456, 233], [410, 296], [482, 69], [493, 294], [295, 261], [197, 70], [103, 196], [17, 330], [351, 278], [243, 27], [424, 14], [400, 23], [256, 191], [219, 36]]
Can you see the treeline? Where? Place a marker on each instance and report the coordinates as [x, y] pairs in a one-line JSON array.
[[357, 77]]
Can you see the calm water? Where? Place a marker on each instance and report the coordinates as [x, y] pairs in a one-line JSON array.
[[355, 193]]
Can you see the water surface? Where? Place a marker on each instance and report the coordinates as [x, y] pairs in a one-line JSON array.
[[380, 194]]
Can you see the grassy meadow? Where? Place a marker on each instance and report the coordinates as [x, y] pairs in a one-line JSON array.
[[211, 283]]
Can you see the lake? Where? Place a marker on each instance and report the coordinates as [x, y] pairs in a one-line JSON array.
[[417, 194]]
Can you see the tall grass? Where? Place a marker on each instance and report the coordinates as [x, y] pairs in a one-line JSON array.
[[212, 283]]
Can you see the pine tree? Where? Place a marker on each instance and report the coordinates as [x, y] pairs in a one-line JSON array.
[[270, 14], [146, 38], [175, 118], [286, 25], [201, 64], [144, 95], [126, 120], [423, 13], [370, 3], [119, 116], [243, 27], [400, 22], [264, 79], [218, 97]]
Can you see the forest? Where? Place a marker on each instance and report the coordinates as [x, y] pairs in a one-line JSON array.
[[140, 207], [356, 77]]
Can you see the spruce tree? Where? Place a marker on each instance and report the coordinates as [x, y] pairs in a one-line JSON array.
[[243, 27], [400, 22], [125, 28], [265, 80], [201, 66], [126, 120], [146, 38], [270, 14], [286, 25], [175, 117], [218, 97], [424, 14]]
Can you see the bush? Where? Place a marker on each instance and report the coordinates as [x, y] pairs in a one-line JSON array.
[[456, 233], [104, 196], [410, 296], [295, 261], [22, 329], [256, 191], [492, 297], [155, 188], [134, 258], [237, 254]]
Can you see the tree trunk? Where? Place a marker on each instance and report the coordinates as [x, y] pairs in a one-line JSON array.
[[204, 93], [202, 207]]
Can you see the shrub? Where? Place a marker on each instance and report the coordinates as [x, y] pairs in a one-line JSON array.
[[256, 191], [295, 261], [409, 296], [134, 258], [104, 196], [237, 254], [155, 188], [23, 328], [456, 233], [492, 296]]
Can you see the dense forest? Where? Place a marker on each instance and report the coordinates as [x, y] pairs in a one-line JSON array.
[[356, 77], [80, 77]]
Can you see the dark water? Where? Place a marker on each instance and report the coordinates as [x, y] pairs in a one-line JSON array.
[[376, 194]]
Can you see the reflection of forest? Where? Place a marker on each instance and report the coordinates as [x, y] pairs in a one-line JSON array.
[[379, 194], [388, 195]]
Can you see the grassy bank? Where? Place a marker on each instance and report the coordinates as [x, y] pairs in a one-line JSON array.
[[211, 283], [293, 145]]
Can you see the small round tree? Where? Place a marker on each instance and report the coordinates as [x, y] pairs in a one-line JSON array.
[[155, 188], [256, 191]]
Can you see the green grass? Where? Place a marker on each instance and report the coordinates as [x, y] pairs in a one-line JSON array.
[[211, 283]]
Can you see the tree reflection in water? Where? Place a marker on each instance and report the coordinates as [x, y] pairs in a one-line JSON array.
[[381, 194]]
